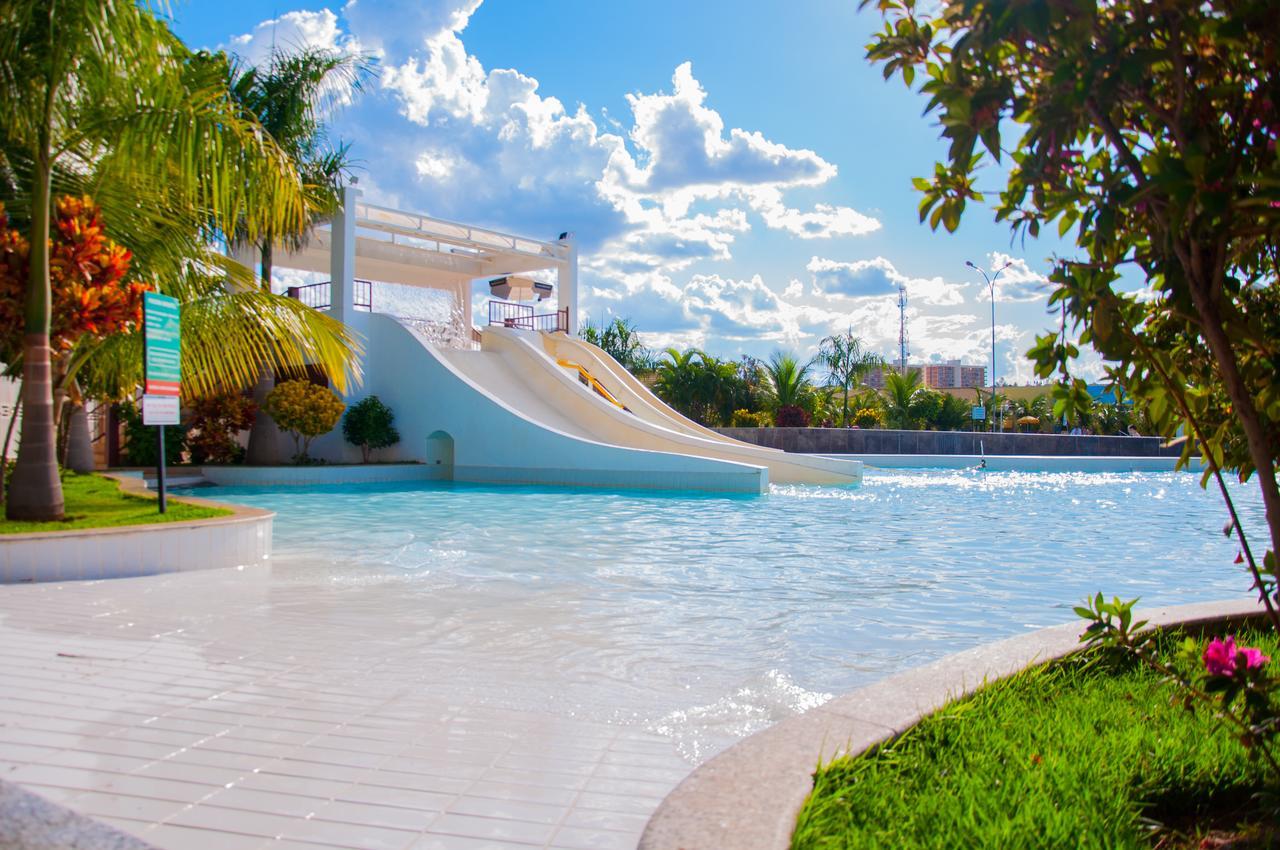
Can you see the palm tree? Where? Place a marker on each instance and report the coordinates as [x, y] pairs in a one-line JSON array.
[[788, 384], [847, 362], [87, 83], [290, 97], [899, 398], [677, 378]]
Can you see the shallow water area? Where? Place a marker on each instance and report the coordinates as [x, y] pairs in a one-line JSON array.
[[705, 618]]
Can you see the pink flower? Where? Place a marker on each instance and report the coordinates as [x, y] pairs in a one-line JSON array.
[[1222, 656], [1253, 658]]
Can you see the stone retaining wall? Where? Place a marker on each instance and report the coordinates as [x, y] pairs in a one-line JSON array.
[[859, 441]]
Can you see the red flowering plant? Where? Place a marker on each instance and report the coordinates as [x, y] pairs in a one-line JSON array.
[[88, 270], [92, 298]]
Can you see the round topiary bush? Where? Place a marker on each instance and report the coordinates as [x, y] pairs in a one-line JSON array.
[[369, 424], [305, 410]]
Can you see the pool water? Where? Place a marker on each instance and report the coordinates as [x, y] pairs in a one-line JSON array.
[[706, 618]]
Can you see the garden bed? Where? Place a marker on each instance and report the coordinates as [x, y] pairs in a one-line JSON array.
[[1083, 752], [92, 501]]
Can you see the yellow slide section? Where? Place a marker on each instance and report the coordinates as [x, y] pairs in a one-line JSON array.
[[589, 380]]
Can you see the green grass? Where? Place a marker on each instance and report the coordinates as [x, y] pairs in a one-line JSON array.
[[1075, 754], [96, 502]]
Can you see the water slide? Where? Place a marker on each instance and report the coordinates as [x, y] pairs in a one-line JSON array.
[[574, 387]]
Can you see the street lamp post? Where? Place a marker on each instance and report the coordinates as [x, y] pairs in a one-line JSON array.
[[991, 284]]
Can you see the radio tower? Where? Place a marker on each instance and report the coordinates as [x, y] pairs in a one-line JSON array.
[[902, 329]]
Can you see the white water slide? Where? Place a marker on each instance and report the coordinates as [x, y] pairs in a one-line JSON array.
[[577, 392]]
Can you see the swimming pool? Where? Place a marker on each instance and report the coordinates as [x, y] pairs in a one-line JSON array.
[[705, 618]]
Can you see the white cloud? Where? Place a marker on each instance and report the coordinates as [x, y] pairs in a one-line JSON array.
[[659, 200], [300, 30], [878, 277], [823, 222], [1018, 281]]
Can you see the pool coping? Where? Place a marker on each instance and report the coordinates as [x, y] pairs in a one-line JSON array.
[[134, 485], [237, 539], [29, 821], [748, 796]]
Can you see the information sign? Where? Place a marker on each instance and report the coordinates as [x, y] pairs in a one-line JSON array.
[[160, 410], [979, 413], [162, 340]]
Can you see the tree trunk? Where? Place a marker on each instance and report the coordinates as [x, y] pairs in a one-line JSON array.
[[1246, 412], [264, 437], [79, 441], [36, 490]]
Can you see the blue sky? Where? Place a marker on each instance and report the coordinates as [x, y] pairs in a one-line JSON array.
[[737, 174]]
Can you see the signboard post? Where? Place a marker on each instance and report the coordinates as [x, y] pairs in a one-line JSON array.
[[162, 382]]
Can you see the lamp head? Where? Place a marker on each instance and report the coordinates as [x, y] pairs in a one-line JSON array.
[[970, 264]]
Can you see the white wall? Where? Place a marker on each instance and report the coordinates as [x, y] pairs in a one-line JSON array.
[[494, 443], [8, 400]]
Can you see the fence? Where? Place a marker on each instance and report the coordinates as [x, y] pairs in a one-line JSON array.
[[511, 315], [318, 296]]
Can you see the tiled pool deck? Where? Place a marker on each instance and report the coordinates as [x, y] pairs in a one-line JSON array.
[[215, 710]]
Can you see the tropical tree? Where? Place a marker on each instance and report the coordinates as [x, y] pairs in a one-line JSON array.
[[847, 361], [788, 388], [953, 414], [291, 96], [620, 340], [1161, 158], [105, 87], [1149, 130], [899, 398], [677, 379]]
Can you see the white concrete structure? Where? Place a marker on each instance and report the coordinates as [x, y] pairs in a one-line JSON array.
[[240, 539], [534, 405]]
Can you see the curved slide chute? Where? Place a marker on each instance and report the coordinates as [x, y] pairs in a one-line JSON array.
[[530, 408], [631, 392], [627, 414]]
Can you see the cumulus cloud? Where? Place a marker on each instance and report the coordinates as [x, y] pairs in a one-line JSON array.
[[660, 199], [878, 276], [1018, 281], [300, 30]]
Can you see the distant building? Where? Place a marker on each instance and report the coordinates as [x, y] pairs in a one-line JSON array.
[[953, 374], [875, 378]]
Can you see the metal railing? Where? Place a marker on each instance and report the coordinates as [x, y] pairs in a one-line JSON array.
[[318, 296], [511, 315]]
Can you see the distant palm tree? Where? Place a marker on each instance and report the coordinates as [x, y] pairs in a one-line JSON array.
[[106, 86], [847, 362], [899, 398], [677, 382], [787, 384]]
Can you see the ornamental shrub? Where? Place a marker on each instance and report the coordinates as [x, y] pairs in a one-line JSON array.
[[868, 417], [140, 447], [369, 424], [305, 410], [743, 418], [792, 416], [215, 421]]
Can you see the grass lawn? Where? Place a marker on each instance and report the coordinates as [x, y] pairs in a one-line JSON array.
[[1077, 754], [96, 502]]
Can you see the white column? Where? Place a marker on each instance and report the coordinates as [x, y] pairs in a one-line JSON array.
[[342, 257], [567, 278], [247, 255]]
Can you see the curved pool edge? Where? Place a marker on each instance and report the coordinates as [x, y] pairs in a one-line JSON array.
[[29, 821], [240, 539], [748, 796]]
